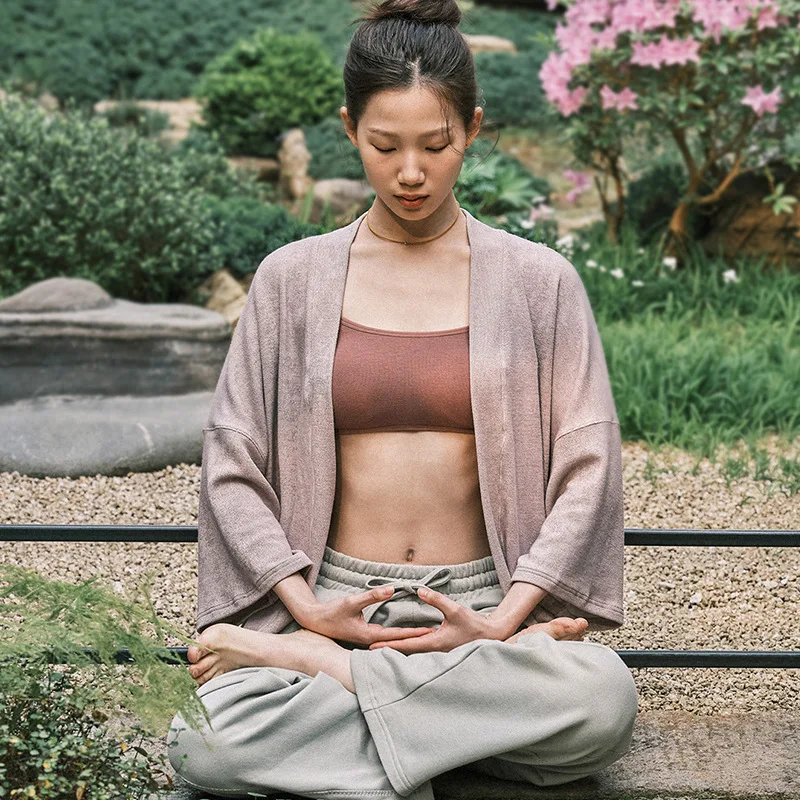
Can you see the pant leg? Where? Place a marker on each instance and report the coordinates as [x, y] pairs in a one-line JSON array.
[[538, 710], [278, 730]]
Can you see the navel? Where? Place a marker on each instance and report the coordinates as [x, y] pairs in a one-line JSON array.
[[410, 554]]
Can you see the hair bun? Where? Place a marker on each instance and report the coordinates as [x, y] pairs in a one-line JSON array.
[[429, 12]]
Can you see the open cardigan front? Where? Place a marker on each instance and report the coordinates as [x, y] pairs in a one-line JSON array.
[[546, 432]]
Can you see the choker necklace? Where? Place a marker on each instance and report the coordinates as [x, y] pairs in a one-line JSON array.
[[421, 241]]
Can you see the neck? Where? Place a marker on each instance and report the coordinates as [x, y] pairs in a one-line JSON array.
[[389, 224]]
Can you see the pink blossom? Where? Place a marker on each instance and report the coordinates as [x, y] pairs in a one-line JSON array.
[[718, 14], [618, 100], [582, 181], [679, 51], [606, 39], [760, 102], [589, 12], [767, 18], [570, 102]]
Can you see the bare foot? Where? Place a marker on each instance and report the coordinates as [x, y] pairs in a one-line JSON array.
[[227, 647], [561, 628]]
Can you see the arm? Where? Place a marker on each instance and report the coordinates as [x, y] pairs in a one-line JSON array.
[[242, 549], [577, 556]]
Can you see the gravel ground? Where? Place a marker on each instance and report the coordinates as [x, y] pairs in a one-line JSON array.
[[683, 598]]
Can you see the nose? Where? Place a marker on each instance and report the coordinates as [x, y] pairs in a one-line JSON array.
[[411, 173]]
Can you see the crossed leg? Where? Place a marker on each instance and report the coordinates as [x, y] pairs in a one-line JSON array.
[[226, 647]]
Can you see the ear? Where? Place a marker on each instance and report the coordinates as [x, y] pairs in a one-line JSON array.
[[349, 127], [475, 125]]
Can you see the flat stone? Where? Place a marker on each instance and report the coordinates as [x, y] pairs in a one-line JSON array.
[[70, 436], [675, 755], [484, 43], [58, 294], [115, 349]]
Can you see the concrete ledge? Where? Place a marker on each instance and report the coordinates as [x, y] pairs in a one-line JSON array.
[[69, 436], [675, 755]]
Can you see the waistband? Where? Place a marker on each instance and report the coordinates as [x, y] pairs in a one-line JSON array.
[[356, 572]]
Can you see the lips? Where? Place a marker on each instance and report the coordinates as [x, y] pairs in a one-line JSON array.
[[412, 196]]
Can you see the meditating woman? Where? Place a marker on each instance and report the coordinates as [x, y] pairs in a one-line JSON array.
[[411, 493]]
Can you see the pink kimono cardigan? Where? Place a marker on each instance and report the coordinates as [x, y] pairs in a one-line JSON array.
[[546, 433]]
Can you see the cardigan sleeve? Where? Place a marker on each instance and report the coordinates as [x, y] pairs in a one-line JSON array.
[[578, 554], [242, 549]]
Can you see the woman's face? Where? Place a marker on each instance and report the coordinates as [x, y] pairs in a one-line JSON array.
[[404, 145]]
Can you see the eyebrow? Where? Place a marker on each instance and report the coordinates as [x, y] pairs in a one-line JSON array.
[[436, 132]]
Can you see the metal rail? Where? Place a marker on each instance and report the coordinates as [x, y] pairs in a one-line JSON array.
[[633, 537]]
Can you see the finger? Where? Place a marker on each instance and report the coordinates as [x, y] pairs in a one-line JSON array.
[[424, 644], [379, 633], [446, 605], [364, 599]]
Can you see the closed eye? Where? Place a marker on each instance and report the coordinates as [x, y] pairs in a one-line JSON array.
[[433, 149]]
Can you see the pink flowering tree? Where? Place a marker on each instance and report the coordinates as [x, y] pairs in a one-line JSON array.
[[721, 77]]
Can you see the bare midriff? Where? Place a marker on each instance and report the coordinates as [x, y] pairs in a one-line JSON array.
[[408, 497]]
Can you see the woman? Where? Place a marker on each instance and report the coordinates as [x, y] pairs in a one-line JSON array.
[[411, 495]]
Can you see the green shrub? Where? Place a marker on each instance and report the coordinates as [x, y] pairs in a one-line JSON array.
[[248, 229], [266, 85], [652, 198], [696, 387], [494, 183], [511, 89], [95, 49], [144, 121], [332, 153], [53, 745], [82, 200], [54, 740]]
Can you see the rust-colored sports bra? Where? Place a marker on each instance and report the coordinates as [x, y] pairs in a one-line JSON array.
[[401, 380]]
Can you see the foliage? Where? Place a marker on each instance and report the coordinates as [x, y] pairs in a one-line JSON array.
[[248, 229], [80, 199], [698, 356], [718, 78], [652, 198], [508, 95], [497, 183], [89, 50], [144, 121], [266, 85], [53, 743], [332, 153], [696, 387]]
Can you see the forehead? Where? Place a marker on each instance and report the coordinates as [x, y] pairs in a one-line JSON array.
[[411, 112]]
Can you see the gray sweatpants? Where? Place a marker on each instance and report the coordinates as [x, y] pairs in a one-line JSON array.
[[538, 710]]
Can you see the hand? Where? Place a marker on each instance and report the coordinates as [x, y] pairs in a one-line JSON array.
[[460, 625], [342, 619]]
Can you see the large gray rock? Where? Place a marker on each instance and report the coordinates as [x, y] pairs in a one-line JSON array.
[[69, 436], [67, 336]]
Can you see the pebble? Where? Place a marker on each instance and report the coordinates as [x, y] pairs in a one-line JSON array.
[[675, 597]]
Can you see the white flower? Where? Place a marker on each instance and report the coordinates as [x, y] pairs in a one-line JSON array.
[[730, 276], [637, 283], [566, 241], [591, 263], [526, 223], [616, 273], [670, 262], [585, 246], [640, 251], [540, 198], [602, 268]]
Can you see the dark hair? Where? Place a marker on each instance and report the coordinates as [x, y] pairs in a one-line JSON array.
[[401, 43]]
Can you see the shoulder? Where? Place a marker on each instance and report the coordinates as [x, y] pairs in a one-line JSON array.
[[543, 270]]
